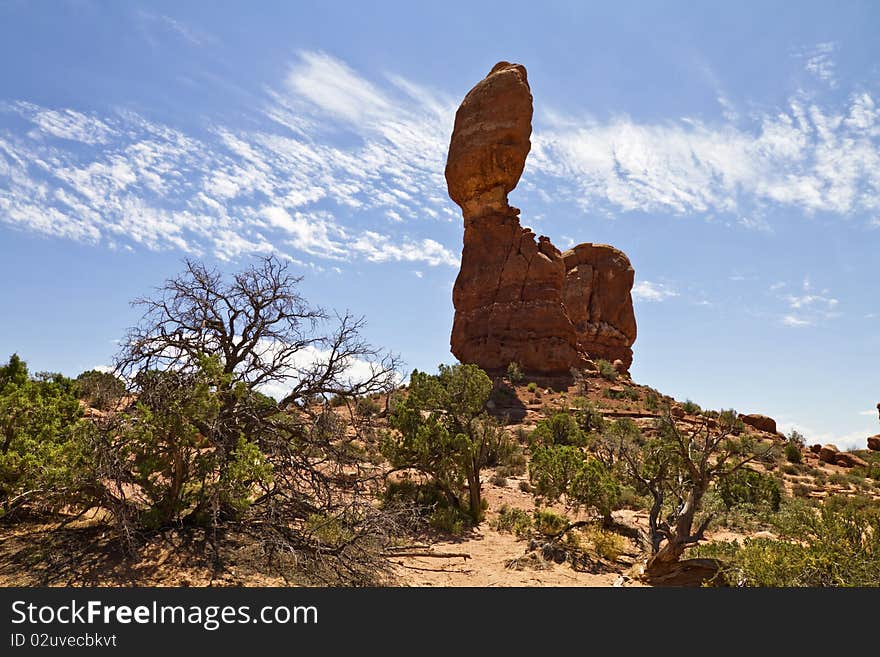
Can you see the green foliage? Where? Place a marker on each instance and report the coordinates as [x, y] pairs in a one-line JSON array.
[[181, 474], [442, 429], [532, 387], [450, 520], [367, 407], [607, 544], [514, 373], [749, 487], [652, 401], [549, 522], [606, 369], [513, 520], [99, 390], [558, 471], [796, 438], [559, 429], [834, 544], [793, 452], [512, 463], [690, 407], [587, 415], [39, 427]]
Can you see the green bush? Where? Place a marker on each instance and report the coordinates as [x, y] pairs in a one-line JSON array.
[[101, 390], [42, 454], [793, 452], [606, 369], [559, 429], [367, 407], [834, 544], [607, 544], [513, 520], [514, 373], [549, 522], [749, 487], [532, 387], [513, 462], [558, 471], [587, 415], [443, 429], [690, 407]]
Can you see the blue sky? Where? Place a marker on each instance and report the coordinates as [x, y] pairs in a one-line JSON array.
[[731, 149]]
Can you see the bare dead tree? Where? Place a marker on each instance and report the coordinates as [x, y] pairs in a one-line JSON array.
[[677, 468], [240, 336]]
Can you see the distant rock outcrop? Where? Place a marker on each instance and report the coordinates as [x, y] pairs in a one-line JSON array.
[[517, 298], [759, 422]]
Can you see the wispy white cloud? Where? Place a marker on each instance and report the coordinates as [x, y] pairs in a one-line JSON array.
[[820, 61], [340, 166], [805, 305], [804, 156], [650, 291]]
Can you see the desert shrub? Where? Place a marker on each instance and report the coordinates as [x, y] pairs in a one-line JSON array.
[[749, 487], [514, 373], [652, 401], [367, 407], [606, 369], [838, 479], [442, 429], [790, 469], [450, 520], [562, 471], [832, 544], [499, 480], [690, 407], [587, 415], [559, 429], [801, 490], [549, 522], [42, 455], [797, 438], [793, 452], [532, 387], [101, 390], [513, 520], [525, 487], [337, 400], [607, 544], [513, 462]]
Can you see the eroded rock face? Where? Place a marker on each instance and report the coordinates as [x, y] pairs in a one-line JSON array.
[[596, 294], [518, 298]]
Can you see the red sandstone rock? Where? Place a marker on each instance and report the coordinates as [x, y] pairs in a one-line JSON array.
[[874, 443], [848, 460], [760, 422], [828, 453], [598, 281], [515, 298]]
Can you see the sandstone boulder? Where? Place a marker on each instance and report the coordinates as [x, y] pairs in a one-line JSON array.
[[759, 422], [517, 297], [874, 443], [815, 448], [598, 281], [848, 460], [828, 453]]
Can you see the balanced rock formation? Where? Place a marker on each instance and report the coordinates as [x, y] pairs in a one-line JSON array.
[[518, 298], [874, 443]]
